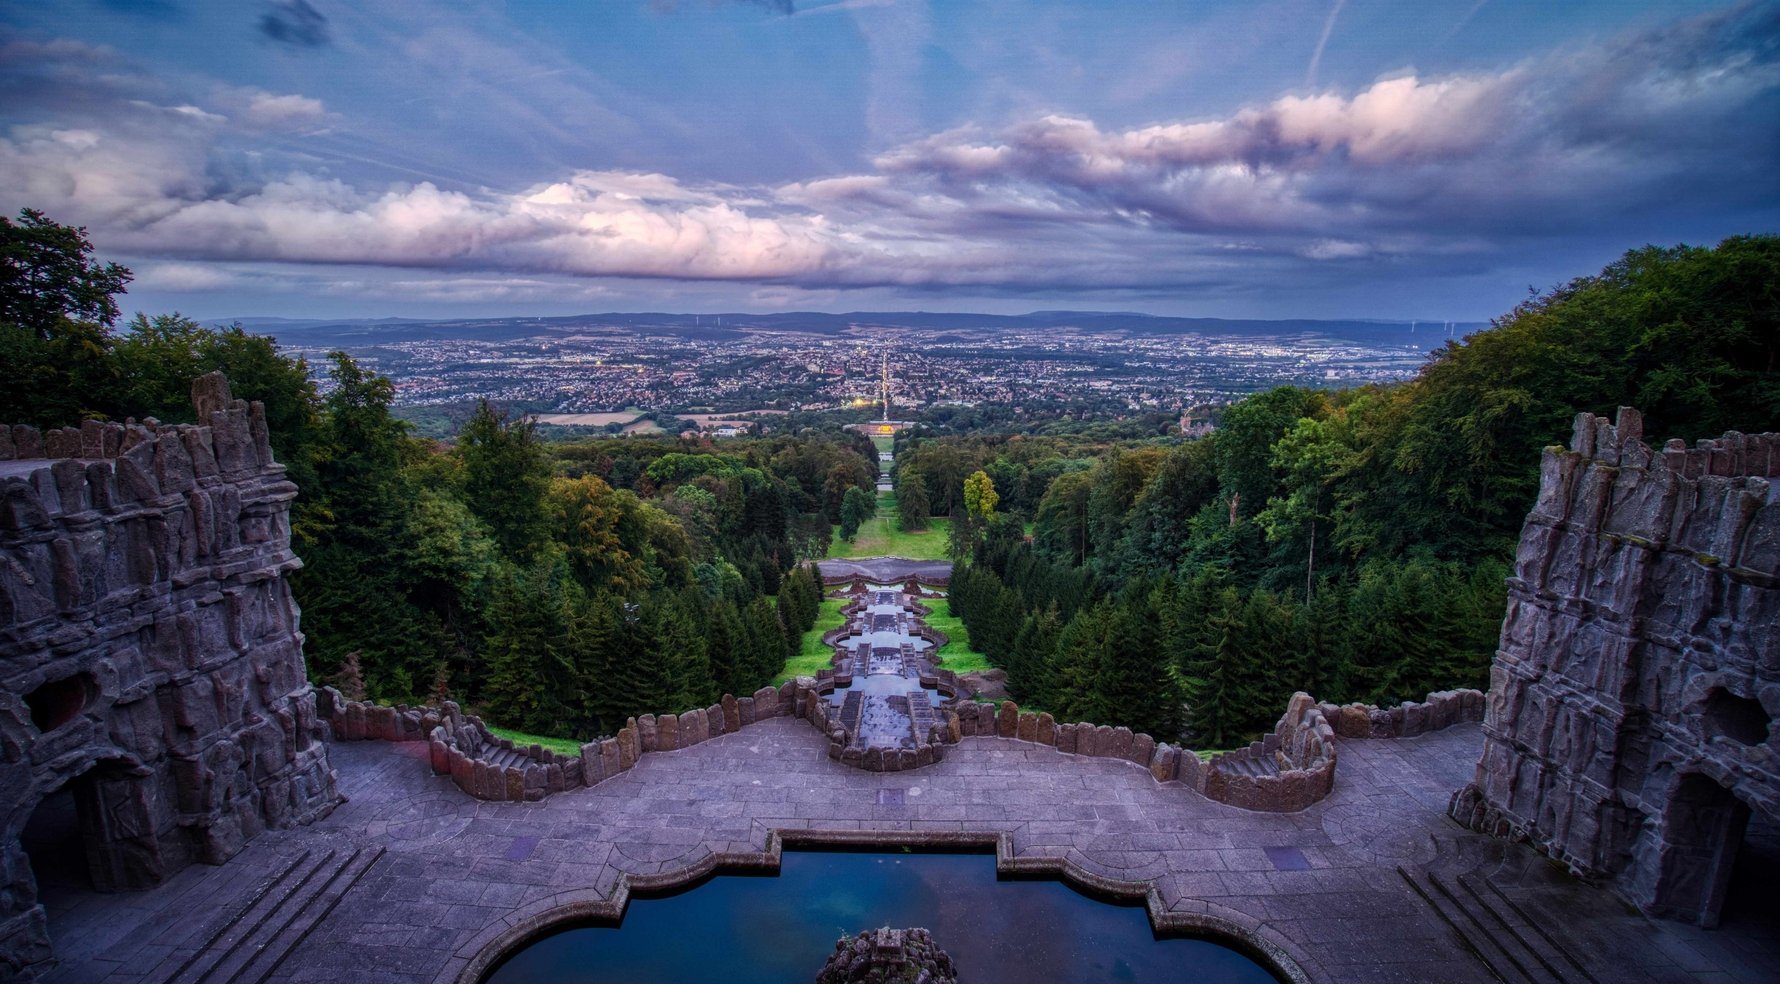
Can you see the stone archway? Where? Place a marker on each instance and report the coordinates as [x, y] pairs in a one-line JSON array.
[[1703, 828], [124, 838], [125, 833]]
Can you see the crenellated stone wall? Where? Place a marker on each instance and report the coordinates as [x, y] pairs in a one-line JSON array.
[[1629, 728], [149, 651]]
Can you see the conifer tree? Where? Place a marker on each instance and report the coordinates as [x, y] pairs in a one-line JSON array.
[[532, 681], [1223, 685], [913, 507], [1134, 685]]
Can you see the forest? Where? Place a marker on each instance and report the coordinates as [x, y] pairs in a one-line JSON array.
[[1352, 543]]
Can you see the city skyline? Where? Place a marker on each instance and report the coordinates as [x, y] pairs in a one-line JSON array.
[[1297, 158]]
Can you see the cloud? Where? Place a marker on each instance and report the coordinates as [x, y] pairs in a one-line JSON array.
[[1322, 41], [1411, 175], [182, 277], [295, 23], [264, 109]]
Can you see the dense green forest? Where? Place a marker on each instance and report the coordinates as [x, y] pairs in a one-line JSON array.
[[1350, 543]]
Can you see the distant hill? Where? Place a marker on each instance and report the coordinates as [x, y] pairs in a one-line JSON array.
[[349, 332]]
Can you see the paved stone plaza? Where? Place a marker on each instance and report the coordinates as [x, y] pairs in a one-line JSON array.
[[412, 879]]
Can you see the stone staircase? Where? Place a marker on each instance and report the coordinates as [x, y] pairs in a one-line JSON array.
[[1514, 947], [251, 944], [1247, 765]]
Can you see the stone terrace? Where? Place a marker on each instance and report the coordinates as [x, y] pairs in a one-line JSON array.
[[412, 878]]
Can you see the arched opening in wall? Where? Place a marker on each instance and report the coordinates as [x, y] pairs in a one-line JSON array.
[[1737, 718], [96, 833], [1749, 900], [1711, 850], [60, 701]]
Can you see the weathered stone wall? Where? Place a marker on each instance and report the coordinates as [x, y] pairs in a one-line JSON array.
[[1629, 724], [149, 652]]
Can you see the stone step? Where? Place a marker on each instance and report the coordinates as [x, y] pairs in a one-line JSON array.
[[313, 913], [256, 940], [1496, 941], [1545, 948], [280, 882], [1260, 765]]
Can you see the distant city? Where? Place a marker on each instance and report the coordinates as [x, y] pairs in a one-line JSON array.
[[1037, 364]]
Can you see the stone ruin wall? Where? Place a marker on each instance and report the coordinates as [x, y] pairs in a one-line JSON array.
[[1631, 702], [149, 651]]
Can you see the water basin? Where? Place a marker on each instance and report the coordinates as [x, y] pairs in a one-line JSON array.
[[769, 930]]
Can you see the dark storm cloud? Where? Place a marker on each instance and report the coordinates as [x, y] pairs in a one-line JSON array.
[[296, 23]]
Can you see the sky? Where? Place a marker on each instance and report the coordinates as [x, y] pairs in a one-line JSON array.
[[1220, 158]]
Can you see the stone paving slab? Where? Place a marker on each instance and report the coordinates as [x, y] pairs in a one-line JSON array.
[[1320, 886]]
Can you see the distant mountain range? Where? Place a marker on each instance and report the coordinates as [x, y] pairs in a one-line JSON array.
[[361, 332]]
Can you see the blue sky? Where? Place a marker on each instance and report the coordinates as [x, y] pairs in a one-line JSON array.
[[1303, 158]]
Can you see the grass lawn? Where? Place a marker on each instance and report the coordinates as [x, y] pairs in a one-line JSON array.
[[561, 746], [956, 655], [811, 654], [883, 536]]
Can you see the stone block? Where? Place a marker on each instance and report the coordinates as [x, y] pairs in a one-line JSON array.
[[1116, 743], [629, 747], [1142, 747], [1007, 721], [1066, 738], [648, 733], [744, 711], [732, 714], [1162, 762], [1047, 729], [1026, 726], [667, 732], [766, 703]]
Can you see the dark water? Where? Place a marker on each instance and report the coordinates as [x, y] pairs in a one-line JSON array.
[[754, 930]]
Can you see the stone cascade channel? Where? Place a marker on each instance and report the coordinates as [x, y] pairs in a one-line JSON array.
[[879, 663]]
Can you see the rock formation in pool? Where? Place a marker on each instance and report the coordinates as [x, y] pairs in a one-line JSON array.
[[888, 956]]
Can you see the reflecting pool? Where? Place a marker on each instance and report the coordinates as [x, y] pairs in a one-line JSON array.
[[770, 930]]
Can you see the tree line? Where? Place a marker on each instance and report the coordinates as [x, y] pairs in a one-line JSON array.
[[1352, 543]]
